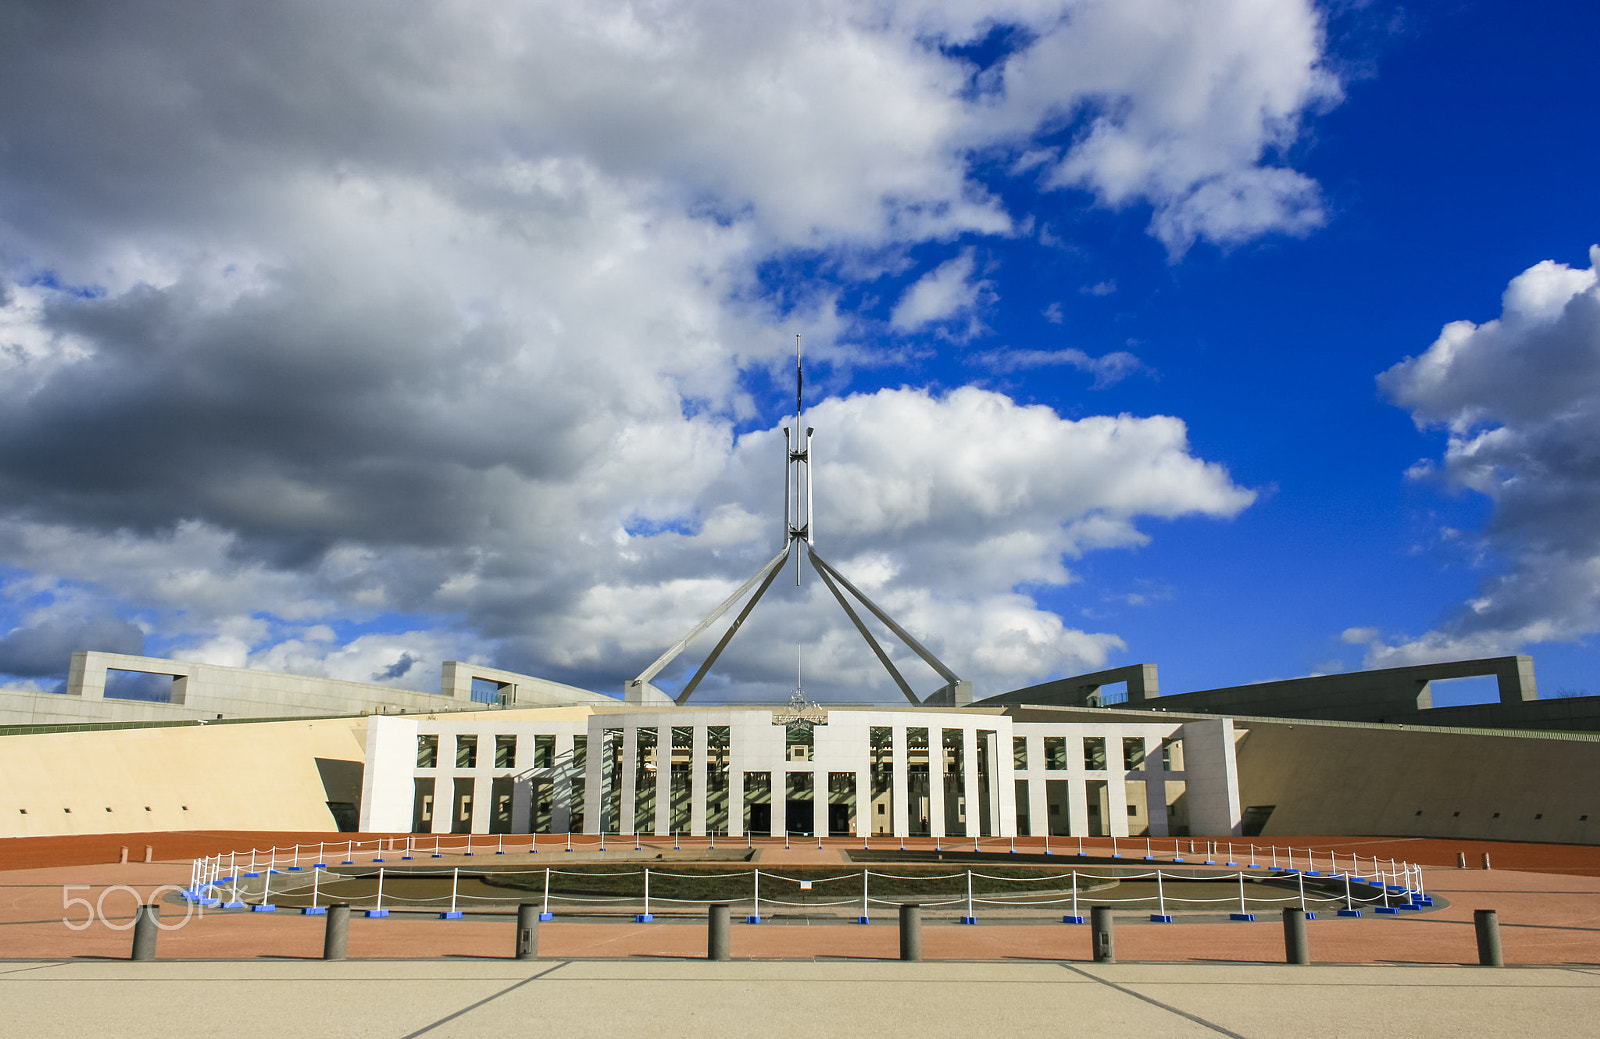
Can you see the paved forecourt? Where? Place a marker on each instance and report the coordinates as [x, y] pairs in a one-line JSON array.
[[411, 998]]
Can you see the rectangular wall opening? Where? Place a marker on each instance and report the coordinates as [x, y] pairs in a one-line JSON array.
[[611, 780], [1099, 806], [681, 789], [880, 741], [1132, 752], [541, 805], [142, 685], [1023, 829], [422, 807], [1457, 692], [427, 752], [955, 785], [986, 807], [1055, 753], [505, 752], [461, 807], [1094, 753], [717, 774], [841, 804], [758, 803], [799, 803], [918, 783], [486, 690], [1177, 808], [466, 752], [544, 751], [1057, 795], [644, 788], [1137, 796], [500, 792]]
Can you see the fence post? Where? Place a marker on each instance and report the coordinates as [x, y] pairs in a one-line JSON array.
[[717, 941], [1487, 926], [1295, 948], [911, 932], [145, 929], [527, 931], [1102, 933], [336, 938]]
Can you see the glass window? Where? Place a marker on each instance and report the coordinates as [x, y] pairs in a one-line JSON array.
[[428, 752], [505, 752], [580, 752], [1094, 753], [1019, 752], [1132, 752], [1055, 753], [466, 752], [544, 751]]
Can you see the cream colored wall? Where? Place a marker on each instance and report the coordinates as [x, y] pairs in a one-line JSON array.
[[205, 777]]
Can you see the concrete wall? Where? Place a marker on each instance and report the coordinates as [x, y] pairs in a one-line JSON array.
[[254, 776], [1385, 695], [211, 691], [1077, 691], [1334, 779]]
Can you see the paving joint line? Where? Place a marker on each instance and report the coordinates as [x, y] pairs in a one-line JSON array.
[[487, 999], [1153, 1002]]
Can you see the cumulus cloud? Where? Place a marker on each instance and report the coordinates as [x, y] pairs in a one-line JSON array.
[[321, 316], [1519, 399]]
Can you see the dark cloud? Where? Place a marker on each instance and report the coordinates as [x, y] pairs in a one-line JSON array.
[[45, 649]]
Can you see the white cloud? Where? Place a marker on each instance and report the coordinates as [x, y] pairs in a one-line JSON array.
[[315, 313], [1107, 369], [948, 291], [1520, 399]]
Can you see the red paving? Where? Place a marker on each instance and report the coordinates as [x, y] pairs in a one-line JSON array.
[[1547, 898]]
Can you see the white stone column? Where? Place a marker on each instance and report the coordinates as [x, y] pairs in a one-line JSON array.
[[1077, 790], [561, 786], [1003, 785], [900, 799], [630, 779], [969, 780], [936, 823], [699, 761], [663, 824]]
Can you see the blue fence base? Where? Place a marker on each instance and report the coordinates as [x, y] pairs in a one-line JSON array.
[[862, 920], [314, 911], [1387, 910], [450, 914], [546, 917], [374, 913], [643, 918], [1350, 912], [1072, 919], [1160, 918], [233, 905], [1247, 917], [969, 919], [265, 907], [752, 919]]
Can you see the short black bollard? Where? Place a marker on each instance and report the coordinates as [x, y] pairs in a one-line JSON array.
[[717, 941], [911, 932], [1102, 934], [336, 938], [145, 929], [1295, 947], [1487, 924], [527, 931]]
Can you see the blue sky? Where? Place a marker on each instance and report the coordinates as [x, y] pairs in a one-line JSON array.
[[331, 346]]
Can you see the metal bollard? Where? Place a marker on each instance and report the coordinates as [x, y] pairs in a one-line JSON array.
[[1485, 860], [1102, 934], [1487, 925], [1295, 947], [1461, 860], [528, 931], [911, 932], [145, 931], [336, 939], [717, 941]]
